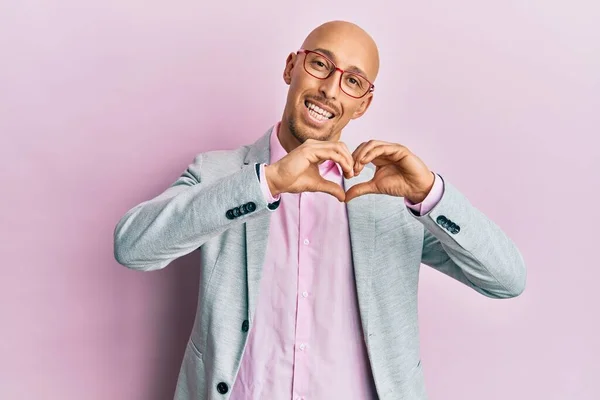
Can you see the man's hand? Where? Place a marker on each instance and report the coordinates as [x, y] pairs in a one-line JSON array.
[[398, 172], [298, 171]]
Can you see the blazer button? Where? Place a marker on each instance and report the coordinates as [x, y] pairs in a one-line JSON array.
[[250, 206], [455, 230], [236, 212], [229, 214], [245, 326], [441, 220], [222, 388]]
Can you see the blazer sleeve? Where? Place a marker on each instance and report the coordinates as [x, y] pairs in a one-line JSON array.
[[186, 215], [463, 243]]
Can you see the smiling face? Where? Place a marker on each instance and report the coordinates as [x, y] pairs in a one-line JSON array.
[[318, 108]]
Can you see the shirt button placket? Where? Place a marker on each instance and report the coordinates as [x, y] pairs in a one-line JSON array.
[[303, 314]]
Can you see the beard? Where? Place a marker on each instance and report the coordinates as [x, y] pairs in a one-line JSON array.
[[302, 135]]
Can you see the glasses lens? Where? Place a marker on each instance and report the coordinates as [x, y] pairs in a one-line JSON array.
[[320, 67], [317, 65], [354, 85]]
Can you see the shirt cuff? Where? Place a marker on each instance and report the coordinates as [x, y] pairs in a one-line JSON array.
[[264, 186], [434, 196]]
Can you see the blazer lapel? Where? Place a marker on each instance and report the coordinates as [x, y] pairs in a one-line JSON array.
[[257, 229], [361, 221]]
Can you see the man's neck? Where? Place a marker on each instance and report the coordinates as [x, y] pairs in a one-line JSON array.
[[287, 140]]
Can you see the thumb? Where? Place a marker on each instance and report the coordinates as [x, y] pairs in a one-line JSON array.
[[360, 189], [323, 185]]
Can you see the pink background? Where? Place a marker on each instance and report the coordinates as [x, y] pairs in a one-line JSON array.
[[104, 103]]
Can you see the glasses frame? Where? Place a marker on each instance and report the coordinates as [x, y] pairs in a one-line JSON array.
[[335, 68]]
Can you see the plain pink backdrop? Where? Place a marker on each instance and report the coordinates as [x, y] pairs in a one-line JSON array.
[[104, 103]]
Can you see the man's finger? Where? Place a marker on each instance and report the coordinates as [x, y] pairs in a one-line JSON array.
[[378, 151], [334, 154], [355, 154], [383, 150], [341, 148], [360, 189], [325, 186], [360, 152], [348, 155]]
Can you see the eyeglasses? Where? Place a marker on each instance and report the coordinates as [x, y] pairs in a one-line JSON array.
[[321, 67]]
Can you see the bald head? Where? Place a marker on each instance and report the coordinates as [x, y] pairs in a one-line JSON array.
[[321, 100], [347, 41]]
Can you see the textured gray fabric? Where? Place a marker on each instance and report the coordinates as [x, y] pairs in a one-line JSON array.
[[388, 245]]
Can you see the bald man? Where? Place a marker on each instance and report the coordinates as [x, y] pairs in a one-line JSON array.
[[310, 250]]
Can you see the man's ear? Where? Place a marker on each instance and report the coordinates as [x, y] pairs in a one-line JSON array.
[[289, 67], [362, 109]]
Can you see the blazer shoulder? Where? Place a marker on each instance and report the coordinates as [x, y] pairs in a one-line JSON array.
[[224, 160], [212, 165]]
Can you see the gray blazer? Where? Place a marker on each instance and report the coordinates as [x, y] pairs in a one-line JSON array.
[[217, 205]]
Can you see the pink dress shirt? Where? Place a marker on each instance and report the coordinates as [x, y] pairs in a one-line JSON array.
[[306, 341]]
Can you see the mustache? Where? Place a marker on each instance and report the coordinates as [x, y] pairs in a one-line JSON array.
[[325, 102]]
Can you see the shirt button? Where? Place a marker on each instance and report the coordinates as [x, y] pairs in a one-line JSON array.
[[306, 241], [302, 346], [305, 294]]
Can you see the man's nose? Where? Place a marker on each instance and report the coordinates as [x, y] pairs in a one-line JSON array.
[[330, 86]]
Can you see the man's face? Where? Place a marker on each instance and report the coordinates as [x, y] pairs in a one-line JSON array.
[[349, 51]]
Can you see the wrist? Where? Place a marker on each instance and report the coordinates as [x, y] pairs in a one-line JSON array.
[[271, 175], [421, 195]]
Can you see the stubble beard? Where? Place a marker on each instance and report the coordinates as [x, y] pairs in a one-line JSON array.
[[301, 136]]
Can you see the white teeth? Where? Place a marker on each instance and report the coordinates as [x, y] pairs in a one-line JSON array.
[[319, 111], [316, 115]]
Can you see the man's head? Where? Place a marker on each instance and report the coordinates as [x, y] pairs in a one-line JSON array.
[[347, 47]]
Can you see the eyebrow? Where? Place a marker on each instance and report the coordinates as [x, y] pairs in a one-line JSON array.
[[351, 68]]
